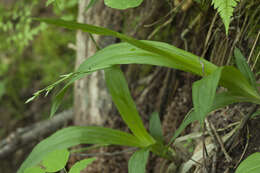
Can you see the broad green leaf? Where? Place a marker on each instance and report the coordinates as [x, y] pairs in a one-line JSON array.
[[121, 96], [203, 94], [155, 127], [138, 161], [34, 170], [250, 165], [155, 53], [80, 165], [55, 160], [123, 4], [243, 66], [73, 136], [225, 9]]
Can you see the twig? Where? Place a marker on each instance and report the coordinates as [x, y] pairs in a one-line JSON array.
[[23, 136], [220, 142], [244, 151], [242, 125]]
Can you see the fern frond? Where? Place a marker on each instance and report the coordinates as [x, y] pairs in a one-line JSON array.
[[225, 9]]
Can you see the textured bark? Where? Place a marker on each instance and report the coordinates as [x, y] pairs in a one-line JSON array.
[[92, 102]]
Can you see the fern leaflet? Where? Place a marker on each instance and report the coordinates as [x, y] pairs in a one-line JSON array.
[[225, 9]]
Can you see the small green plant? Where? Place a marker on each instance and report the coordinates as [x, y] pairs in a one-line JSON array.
[[239, 82]]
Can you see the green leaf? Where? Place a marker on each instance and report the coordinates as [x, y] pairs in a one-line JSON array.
[[138, 161], [221, 100], [55, 160], [244, 68], [91, 4], [123, 4], [121, 96], [189, 118], [80, 165], [155, 127], [73, 136], [34, 170], [250, 165], [2, 88], [49, 2], [225, 9], [257, 113], [203, 94], [156, 53]]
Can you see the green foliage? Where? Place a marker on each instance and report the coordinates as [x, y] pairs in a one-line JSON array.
[[123, 4], [250, 165], [55, 160], [80, 165], [225, 9], [34, 170], [240, 85], [138, 161], [72, 136], [243, 66], [120, 93], [155, 127], [203, 94]]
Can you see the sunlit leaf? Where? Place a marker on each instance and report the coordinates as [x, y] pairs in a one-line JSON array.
[[55, 160], [73, 136], [81, 165], [34, 170], [123, 4], [250, 165]]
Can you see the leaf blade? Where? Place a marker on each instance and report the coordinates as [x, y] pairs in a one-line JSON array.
[[72, 136], [121, 96], [138, 161]]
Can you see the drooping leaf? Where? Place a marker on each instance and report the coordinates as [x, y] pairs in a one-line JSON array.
[[243, 66], [121, 96], [56, 160], [138, 161], [123, 4], [203, 94], [155, 127], [250, 165], [225, 9], [80, 165], [34, 170], [155, 53], [73, 136]]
